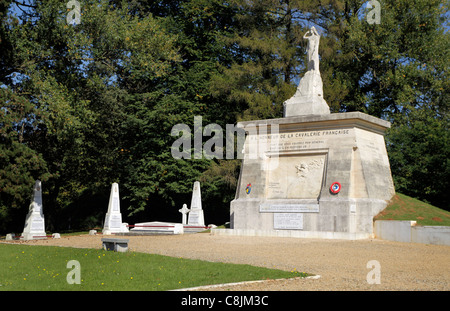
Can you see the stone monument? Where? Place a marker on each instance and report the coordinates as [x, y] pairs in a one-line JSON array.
[[196, 217], [34, 223], [113, 219], [316, 174]]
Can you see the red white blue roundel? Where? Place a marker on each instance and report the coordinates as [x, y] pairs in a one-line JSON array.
[[248, 189], [335, 187]]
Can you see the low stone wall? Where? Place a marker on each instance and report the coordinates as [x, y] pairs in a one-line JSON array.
[[407, 231], [391, 230], [439, 235]]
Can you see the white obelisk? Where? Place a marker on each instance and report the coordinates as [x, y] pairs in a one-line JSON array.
[[34, 222], [113, 218], [196, 217]]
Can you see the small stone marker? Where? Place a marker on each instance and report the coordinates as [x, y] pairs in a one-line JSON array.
[[92, 232], [34, 223], [113, 218], [56, 236], [184, 210], [117, 245], [196, 217]]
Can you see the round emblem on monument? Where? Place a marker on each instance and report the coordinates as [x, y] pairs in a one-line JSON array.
[[248, 189], [335, 187]]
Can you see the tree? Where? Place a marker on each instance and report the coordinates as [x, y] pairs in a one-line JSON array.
[[20, 165], [78, 79], [419, 153], [398, 70], [157, 181], [264, 44], [390, 68]]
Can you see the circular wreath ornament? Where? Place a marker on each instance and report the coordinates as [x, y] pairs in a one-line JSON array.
[[335, 187]]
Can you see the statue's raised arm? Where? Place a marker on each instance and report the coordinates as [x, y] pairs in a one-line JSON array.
[[313, 48]]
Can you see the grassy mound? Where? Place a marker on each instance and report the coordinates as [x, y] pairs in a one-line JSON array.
[[403, 207]]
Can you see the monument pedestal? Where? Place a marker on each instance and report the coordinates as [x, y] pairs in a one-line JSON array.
[[34, 226], [316, 173], [308, 99]]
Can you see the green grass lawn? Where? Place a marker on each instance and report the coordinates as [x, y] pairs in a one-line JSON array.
[[403, 207], [35, 268]]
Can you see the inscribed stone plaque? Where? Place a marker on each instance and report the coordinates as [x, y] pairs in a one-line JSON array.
[[194, 217], [303, 140], [297, 177], [288, 221], [289, 208], [115, 221], [37, 224], [115, 207]]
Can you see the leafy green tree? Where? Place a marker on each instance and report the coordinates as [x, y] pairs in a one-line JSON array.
[[79, 78], [419, 153], [20, 165], [157, 181], [263, 42], [390, 68], [397, 70]]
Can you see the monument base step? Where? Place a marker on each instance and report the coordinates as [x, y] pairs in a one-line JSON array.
[[33, 236], [159, 227], [294, 234], [194, 229]]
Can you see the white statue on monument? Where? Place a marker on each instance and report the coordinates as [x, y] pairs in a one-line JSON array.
[[313, 48], [308, 99]]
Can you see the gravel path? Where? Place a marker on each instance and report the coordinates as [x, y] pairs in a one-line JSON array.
[[341, 264]]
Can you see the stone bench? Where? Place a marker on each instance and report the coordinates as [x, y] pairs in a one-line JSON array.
[[117, 245]]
